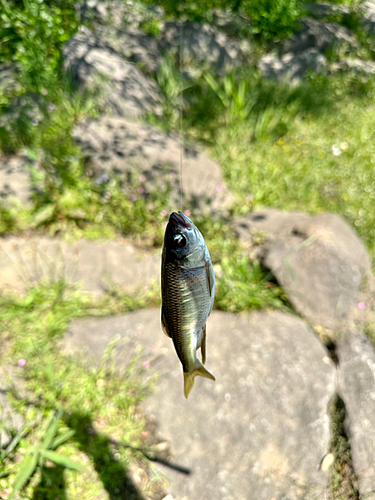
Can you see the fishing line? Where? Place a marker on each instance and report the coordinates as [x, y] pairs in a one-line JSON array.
[[181, 104]]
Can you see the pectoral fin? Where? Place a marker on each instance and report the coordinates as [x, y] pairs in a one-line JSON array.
[[203, 345], [164, 323]]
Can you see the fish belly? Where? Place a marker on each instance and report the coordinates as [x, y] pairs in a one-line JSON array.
[[186, 306]]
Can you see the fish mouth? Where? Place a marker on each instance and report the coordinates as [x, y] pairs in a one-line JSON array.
[[180, 218]]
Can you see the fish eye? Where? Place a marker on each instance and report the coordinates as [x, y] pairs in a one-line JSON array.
[[179, 240]]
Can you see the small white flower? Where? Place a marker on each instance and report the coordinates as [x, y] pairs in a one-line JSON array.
[[336, 150]]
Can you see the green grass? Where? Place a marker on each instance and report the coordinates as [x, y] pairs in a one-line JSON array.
[[342, 478], [89, 397], [308, 148]]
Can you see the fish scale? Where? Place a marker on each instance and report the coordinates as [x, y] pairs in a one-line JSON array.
[[188, 304]]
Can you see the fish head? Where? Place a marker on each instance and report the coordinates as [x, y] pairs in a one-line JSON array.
[[183, 240]]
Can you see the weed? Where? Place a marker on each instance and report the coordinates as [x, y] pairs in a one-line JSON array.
[[32, 326]]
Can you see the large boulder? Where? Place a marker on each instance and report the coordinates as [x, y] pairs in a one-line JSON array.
[[133, 44], [121, 147], [320, 35], [318, 260], [305, 51], [120, 87], [197, 44], [292, 67], [260, 431], [97, 266], [356, 374], [117, 13]]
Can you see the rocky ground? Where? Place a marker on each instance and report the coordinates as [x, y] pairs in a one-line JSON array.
[[263, 429]]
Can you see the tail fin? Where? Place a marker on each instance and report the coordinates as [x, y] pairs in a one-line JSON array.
[[189, 377]]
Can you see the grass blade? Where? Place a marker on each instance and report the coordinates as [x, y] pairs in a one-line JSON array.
[[62, 439], [58, 459], [51, 430], [25, 472]]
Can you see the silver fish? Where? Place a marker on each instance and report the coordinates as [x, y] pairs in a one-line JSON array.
[[188, 290]]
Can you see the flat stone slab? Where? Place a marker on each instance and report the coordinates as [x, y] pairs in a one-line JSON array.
[[318, 260], [356, 373], [260, 431], [125, 148], [96, 265]]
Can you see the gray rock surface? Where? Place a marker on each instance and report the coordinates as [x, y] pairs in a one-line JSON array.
[[9, 73], [234, 24], [117, 13], [259, 431], [325, 9], [121, 88], [24, 112], [318, 260], [97, 265], [368, 14], [15, 178], [359, 66], [203, 44], [133, 44], [292, 67], [320, 35], [116, 145], [356, 372]]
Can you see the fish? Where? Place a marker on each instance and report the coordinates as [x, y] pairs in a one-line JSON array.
[[188, 291]]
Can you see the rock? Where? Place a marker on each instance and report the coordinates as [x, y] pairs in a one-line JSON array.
[[15, 178], [117, 13], [118, 146], [368, 15], [97, 265], [204, 45], [259, 431], [120, 87], [273, 223], [356, 373], [318, 260], [133, 44], [9, 83], [292, 67], [366, 68], [24, 113], [10, 420], [326, 9], [233, 24], [168, 497], [320, 35]]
